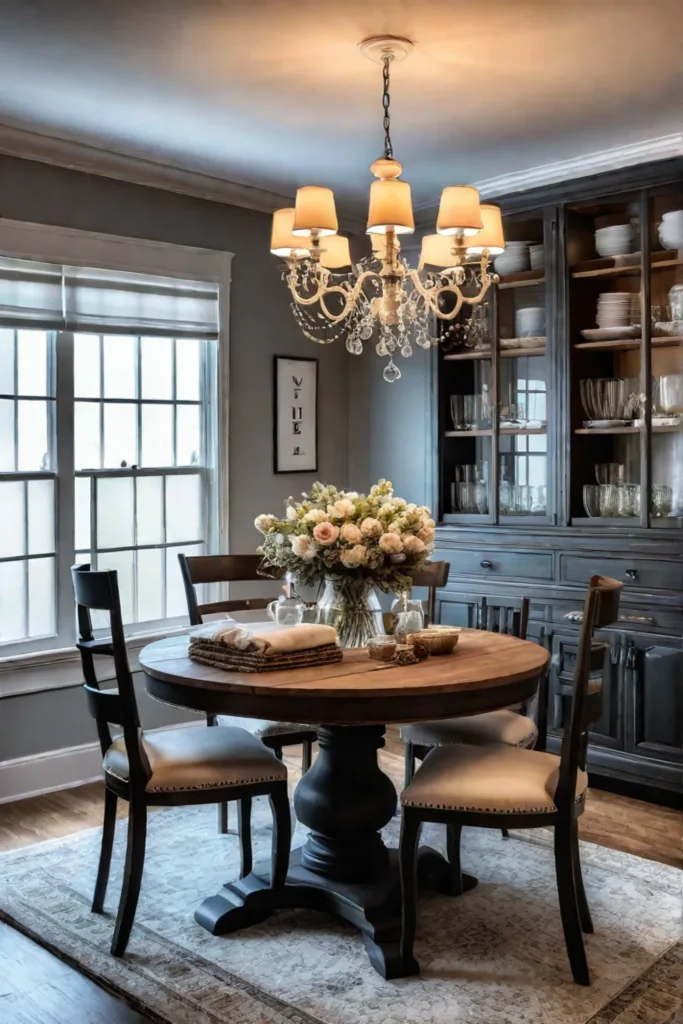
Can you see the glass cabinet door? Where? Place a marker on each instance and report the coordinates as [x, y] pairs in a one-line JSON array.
[[606, 397], [665, 208]]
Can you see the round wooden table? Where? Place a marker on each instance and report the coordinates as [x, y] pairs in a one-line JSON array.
[[345, 799]]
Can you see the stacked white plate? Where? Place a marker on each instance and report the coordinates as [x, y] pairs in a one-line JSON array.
[[530, 322], [671, 230], [537, 256], [617, 309], [615, 240], [514, 260]]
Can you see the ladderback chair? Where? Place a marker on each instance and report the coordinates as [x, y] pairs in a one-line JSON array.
[[181, 766], [511, 727], [495, 786], [203, 569], [433, 576]]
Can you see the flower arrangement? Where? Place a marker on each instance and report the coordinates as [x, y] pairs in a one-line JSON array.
[[353, 541]]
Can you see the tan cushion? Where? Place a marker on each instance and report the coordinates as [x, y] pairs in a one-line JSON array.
[[500, 780], [262, 727], [494, 727], [197, 758]]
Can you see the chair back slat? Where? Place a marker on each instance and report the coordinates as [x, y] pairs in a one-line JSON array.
[[512, 620], [433, 576], [601, 605], [100, 591], [198, 569]]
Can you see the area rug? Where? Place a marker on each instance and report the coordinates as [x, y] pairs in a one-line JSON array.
[[494, 956]]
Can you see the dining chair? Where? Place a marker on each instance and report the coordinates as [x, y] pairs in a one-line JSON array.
[[170, 767], [433, 576], [494, 786], [512, 727], [202, 569]]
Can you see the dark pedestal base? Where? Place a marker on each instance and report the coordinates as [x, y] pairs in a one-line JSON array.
[[373, 906]]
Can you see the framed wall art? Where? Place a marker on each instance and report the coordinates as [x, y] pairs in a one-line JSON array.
[[295, 415]]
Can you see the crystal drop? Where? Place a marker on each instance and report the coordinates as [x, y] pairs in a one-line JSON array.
[[406, 351], [391, 372], [366, 332]]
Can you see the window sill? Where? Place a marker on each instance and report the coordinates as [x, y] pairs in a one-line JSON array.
[[60, 669]]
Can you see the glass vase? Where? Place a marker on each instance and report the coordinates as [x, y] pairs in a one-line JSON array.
[[352, 607]]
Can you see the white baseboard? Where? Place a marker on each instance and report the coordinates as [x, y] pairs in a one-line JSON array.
[[53, 770]]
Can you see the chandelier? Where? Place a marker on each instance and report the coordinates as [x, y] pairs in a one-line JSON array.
[[380, 297]]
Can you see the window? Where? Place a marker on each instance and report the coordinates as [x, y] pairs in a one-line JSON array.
[[107, 444]]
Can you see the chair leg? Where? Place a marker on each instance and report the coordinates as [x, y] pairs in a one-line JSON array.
[[584, 911], [407, 855], [571, 923], [223, 818], [505, 834], [306, 756], [282, 836], [108, 829], [244, 831], [132, 876], [409, 763], [278, 752], [453, 834]]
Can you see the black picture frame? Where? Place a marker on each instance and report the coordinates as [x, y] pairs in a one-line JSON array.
[[282, 465]]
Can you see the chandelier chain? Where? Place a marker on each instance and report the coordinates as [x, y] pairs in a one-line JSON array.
[[386, 100]]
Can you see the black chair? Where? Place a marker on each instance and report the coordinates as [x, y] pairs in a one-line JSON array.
[[511, 727], [495, 786], [173, 767], [202, 569]]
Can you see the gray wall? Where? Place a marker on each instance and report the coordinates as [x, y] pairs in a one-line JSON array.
[[261, 325]]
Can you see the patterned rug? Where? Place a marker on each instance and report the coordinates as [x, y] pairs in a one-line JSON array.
[[494, 956]]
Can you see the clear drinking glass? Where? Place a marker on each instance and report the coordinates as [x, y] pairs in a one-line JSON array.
[[662, 500], [628, 500], [609, 472]]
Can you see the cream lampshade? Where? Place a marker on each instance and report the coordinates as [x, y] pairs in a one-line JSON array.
[[459, 211], [437, 251], [282, 241], [314, 211], [390, 203], [335, 252], [491, 236]]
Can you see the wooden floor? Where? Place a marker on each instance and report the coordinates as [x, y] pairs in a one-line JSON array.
[[37, 988]]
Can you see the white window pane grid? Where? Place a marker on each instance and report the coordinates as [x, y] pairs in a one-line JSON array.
[[26, 401], [142, 523], [27, 582], [138, 402]]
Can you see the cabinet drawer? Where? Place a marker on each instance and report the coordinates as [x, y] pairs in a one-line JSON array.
[[649, 573], [513, 564]]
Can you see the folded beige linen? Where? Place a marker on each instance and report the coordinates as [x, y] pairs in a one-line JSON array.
[[276, 641]]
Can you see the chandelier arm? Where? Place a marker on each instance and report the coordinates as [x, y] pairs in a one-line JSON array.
[[431, 296], [324, 290], [486, 281]]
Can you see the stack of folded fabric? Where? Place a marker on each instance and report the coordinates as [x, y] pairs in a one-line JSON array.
[[237, 649]]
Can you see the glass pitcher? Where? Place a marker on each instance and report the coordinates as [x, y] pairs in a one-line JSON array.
[[286, 611]]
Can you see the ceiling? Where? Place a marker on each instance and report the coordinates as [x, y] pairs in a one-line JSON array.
[[274, 93]]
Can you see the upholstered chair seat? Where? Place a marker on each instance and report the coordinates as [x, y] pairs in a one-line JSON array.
[[504, 726], [496, 780], [261, 727], [194, 758]]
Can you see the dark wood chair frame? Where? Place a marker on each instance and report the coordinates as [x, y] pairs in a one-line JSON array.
[[601, 608], [99, 590], [198, 569]]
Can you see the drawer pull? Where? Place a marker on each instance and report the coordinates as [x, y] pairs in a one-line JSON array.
[[645, 620], [574, 616], [631, 573], [485, 564]]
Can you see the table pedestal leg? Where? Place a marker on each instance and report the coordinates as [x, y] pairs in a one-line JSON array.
[[344, 868]]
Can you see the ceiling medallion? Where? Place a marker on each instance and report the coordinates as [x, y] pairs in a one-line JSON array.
[[381, 297]]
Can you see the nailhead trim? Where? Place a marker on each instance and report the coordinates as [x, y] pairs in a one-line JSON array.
[[208, 785], [488, 810], [523, 745]]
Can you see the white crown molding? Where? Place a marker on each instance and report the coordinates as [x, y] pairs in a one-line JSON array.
[[665, 147], [81, 156]]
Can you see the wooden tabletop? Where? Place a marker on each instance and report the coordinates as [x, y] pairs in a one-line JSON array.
[[486, 671]]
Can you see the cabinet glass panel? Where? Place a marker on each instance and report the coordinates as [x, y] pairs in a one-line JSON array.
[[606, 397], [666, 357], [522, 371], [466, 437]]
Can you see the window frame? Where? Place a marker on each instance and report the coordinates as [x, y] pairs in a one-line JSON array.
[[65, 246]]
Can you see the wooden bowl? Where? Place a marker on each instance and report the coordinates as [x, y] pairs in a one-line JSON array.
[[438, 640]]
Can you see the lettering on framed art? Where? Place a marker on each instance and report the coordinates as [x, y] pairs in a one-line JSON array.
[[296, 415]]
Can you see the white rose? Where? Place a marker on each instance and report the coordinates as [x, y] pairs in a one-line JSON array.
[[316, 515], [292, 513], [342, 509], [304, 547], [264, 523], [390, 543], [371, 527]]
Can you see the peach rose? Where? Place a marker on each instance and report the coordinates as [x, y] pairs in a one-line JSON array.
[[316, 515], [412, 545], [426, 533], [351, 534], [325, 533], [304, 547], [371, 527], [390, 543], [342, 509], [353, 557]]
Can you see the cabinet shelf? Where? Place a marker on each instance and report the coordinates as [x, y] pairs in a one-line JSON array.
[[628, 344], [627, 430], [507, 431], [524, 279], [629, 263], [505, 353], [457, 356]]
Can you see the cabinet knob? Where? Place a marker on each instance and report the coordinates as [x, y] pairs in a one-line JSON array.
[[631, 573], [485, 564]]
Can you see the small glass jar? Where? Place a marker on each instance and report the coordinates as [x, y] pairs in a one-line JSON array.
[[408, 616], [382, 648]]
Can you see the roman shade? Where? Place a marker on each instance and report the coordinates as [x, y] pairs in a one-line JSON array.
[[54, 297]]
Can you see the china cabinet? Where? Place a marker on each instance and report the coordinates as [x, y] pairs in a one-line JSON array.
[[559, 412]]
